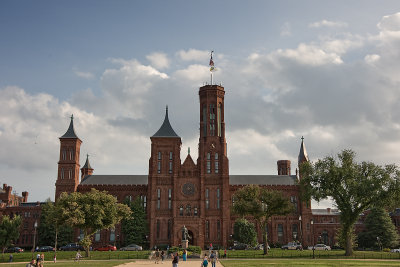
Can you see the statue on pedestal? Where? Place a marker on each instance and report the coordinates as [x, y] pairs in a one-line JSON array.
[[185, 233]]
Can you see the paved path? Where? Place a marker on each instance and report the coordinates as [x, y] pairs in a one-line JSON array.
[[166, 263]]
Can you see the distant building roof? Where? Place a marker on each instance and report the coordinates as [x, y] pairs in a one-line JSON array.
[[263, 179], [115, 179], [166, 128], [325, 212], [303, 152], [87, 164], [70, 132], [31, 204]]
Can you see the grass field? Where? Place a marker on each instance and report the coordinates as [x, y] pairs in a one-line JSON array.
[[307, 262], [92, 263]]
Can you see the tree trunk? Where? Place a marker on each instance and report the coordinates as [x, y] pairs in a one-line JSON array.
[[55, 243], [347, 236], [265, 237]]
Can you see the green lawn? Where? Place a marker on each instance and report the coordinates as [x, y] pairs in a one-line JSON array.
[[307, 262], [92, 263]]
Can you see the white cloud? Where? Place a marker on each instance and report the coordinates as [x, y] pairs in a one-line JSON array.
[[158, 60], [194, 55], [371, 59], [390, 23], [327, 23], [84, 75]]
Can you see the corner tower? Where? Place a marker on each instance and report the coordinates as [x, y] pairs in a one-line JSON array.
[[68, 164]]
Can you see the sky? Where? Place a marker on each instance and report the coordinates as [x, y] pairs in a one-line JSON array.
[[325, 70]]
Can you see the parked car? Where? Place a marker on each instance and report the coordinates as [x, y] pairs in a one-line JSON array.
[[396, 250], [320, 247], [131, 247], [106, 248], [292, 246], [260, 247], [239, 246], [44, 249], [72, 247], [14, 250]]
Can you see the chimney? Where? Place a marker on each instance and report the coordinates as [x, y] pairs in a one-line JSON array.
[[328, 210], [25, 195], [283, 167]]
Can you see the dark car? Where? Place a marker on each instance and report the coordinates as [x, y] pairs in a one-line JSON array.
[[72, 247], [44, 249], [239, 246], [106, 248], [14, 250]]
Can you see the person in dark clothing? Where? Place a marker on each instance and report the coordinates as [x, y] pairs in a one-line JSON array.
[[175, 260]]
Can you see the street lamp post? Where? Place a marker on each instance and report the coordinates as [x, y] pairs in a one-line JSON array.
[[301, 232], [312, 233], [34, 238]]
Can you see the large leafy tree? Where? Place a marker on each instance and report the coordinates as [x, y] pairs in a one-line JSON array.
[[91, 212], [355, 187], [244, 232], [52, 229], [262, 204], [380, 230], [9, 231], [135, 228]]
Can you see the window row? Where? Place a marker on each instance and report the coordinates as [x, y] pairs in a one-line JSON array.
[[159, 162], [64, 173], [211, 122], [295, 235], [188, 210], [143, 200], [110, 235], [207, 198], [67, 152], [209, 163]]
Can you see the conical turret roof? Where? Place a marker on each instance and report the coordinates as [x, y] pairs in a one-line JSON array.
[[303, 152], [70, 132], [166, 128], [87, 164]]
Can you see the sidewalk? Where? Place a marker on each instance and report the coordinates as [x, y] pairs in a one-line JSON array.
[[167, 263]]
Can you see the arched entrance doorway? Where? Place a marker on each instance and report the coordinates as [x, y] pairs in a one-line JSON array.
[[191, 239]]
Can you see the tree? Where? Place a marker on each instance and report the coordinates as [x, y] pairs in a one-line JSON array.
[[52, 229], [262, 204], [381, 231], [355, 187], [9, 231], [135, 228], [91, 212], [244, 232]]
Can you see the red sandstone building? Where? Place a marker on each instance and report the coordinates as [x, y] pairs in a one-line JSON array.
[[195, 193]]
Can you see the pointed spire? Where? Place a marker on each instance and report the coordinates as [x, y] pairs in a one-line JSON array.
[[70, 132], [87, 164], [303, 152], [188, 150], [166, 128]]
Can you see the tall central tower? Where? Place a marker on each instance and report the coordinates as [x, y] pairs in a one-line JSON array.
[[213, 165]]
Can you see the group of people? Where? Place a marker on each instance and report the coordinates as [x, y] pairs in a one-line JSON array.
[[213, 258], [38, 263], [160, 256]]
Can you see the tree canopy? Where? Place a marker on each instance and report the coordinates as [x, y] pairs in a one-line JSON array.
[[135, 228], [380, 230], [244, 232], [9, 230], [355, 187], [262, 204], [91, 212]]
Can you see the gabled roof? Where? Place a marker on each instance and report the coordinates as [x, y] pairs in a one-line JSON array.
[[303, 152], [188, 162], [87, 164], [263, 179], [166, 128], [70, 132], [115, 179]]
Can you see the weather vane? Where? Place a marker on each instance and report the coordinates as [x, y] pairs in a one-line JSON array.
[[212, 67]]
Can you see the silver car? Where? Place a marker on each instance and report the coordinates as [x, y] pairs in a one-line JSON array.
[[132, 247], [320, 247]]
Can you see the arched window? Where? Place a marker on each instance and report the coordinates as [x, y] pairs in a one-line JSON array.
[[195, 212], [181, 211], [208, 163], [188, 210], [158, 198], [295, 234], [216, 165], [62, 173]]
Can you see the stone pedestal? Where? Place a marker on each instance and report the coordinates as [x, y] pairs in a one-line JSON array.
[[185, 244]]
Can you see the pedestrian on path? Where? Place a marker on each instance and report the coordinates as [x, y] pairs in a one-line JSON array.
[[204, 263], [213, 258], [175, 260], [184, 255]]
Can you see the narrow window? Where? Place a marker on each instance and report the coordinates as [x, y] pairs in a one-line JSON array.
[[204, 120], [71, 154], [181, 211], [159, 155], [218, 229], [62, 173], [112, 234], [170, 167], [64, 154], [70, 174], [293, 200], [170, 155], [216, 167], [208, 163], [207, 229], [207, 200], [188, 210], [212, 119], [280, 233], [295, 234], [159, 167], [158, 229], [218, 198], [143, 198], [195, 211], [219, 119], [169, 198], [158, 198], [169, 229]]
